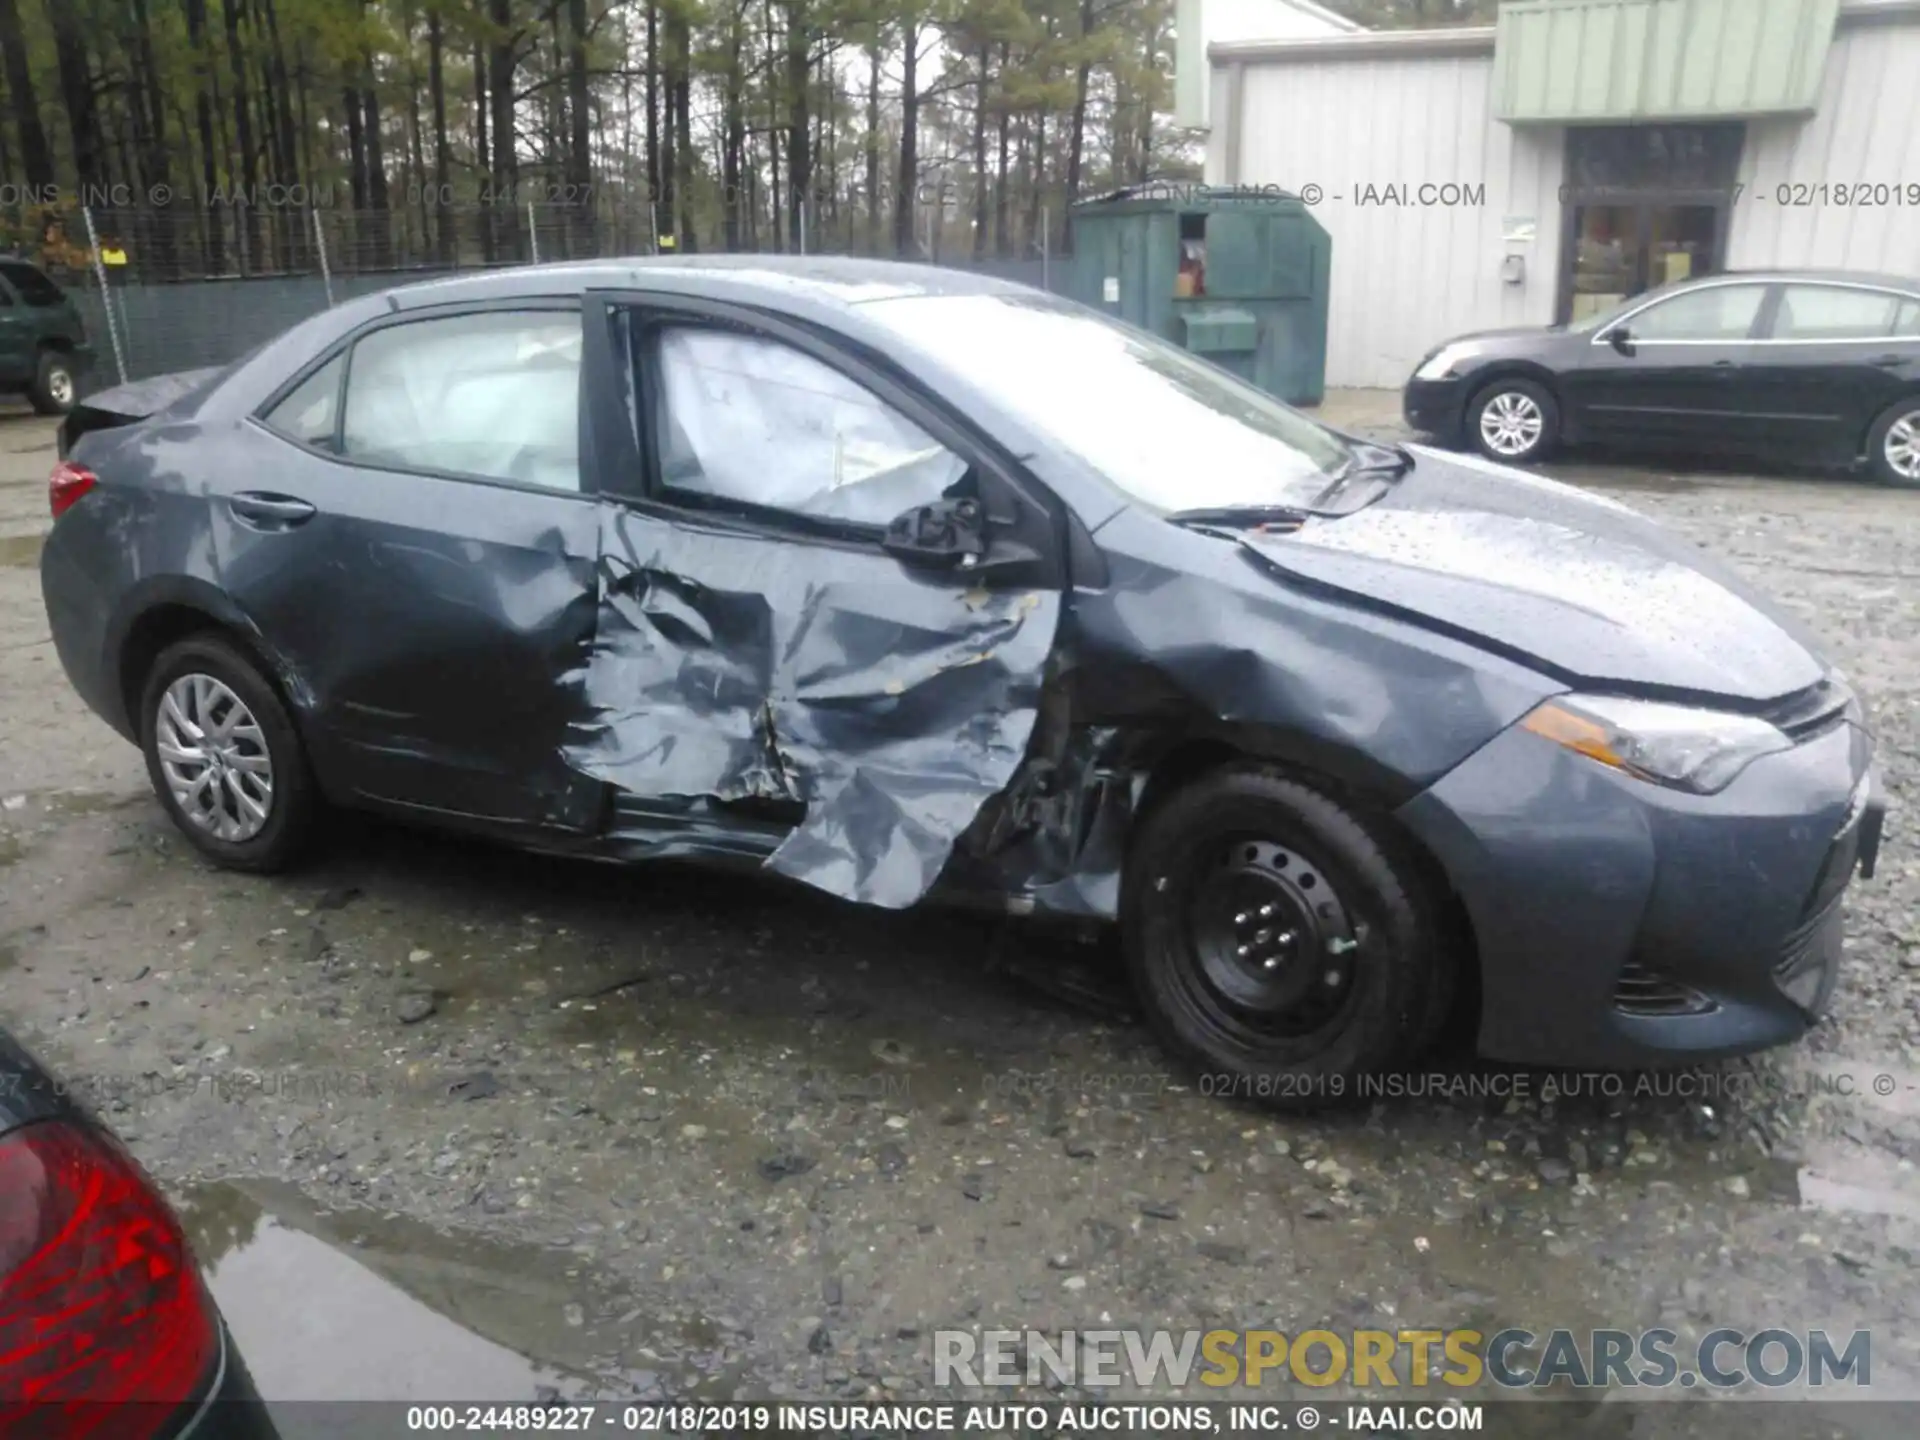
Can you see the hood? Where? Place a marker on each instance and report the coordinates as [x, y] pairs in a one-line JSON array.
[[1519, 340], [1577, 585]]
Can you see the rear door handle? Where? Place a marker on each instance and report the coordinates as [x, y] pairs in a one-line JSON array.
[[270, 512], [1888, 362]]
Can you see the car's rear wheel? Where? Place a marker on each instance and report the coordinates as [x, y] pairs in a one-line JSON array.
[[1283, 945], [224, 756], [54, 388], [1514, 421], [1893, 444]]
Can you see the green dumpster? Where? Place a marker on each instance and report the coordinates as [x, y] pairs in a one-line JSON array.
[[1237, 276]]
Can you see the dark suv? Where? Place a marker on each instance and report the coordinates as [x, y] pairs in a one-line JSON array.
[[43, 341]]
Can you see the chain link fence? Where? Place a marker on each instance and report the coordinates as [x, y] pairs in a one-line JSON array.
[[164, 289]]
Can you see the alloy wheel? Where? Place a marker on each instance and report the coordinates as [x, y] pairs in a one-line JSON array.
[[1902, 446], [1512, 423], [60, 385], [214, 756]]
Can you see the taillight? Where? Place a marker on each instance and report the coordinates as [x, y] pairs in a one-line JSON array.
[[100, 1301], [66, 485]]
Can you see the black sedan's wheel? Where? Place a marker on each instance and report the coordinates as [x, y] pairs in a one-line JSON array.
[[53, 389], [1893, 445], [1279, 944], [1513, 421], [224, 756]]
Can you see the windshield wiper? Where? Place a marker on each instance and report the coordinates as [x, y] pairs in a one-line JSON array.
[[1372, 458], [1230, 518], [1370, 461]]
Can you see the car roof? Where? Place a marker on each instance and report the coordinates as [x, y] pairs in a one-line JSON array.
[[1810, 277], [824, 279]]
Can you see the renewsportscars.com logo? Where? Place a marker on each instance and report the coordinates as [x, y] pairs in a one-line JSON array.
[[1513, 1359]]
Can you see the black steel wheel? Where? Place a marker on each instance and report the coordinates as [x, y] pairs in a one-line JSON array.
[[1283, 945]]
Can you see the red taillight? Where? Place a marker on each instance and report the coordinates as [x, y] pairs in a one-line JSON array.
[[100, 1300], [67, 484]]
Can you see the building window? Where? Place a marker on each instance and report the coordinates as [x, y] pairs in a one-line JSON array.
[[1616, 158]]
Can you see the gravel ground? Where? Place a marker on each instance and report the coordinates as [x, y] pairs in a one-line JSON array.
[[753, 1142]]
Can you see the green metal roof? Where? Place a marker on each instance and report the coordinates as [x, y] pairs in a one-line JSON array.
[[1600, 61]]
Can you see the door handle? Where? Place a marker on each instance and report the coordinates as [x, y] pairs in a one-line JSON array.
[[270, 512], [1889, 362]]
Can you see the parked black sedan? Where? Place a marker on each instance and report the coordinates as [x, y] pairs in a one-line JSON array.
[[107, 1331], [1817, 367], [904, 584]]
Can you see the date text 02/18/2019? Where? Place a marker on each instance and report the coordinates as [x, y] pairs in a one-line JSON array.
[[1793, 194], [937, 1418]]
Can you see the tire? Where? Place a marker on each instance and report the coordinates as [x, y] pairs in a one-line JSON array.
[[1893, 445], [213, 672], [54, 386], [1535, 422], [1292, 1026]]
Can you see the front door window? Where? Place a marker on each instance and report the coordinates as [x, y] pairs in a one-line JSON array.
[[1718, 312]]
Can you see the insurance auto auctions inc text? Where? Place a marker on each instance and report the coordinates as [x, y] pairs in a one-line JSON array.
[[1512, 1359]]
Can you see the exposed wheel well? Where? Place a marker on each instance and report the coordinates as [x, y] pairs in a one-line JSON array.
[[1866, 436], [1190, 760], [165, 625], [1511, 372], [56, 342]]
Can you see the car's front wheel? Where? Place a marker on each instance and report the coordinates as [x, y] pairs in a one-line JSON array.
[[1514, 421], [54, 389], [224, 756], [1893, 445], [1283, 946]]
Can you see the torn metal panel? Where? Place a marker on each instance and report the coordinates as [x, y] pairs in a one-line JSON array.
[[1056, 839], [748, 668]]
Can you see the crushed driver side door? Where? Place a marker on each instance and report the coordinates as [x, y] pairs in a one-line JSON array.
[[823, 601]]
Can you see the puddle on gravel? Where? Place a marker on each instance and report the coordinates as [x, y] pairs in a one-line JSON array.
[[20, 551], [1857, 1184], [391, 1309]]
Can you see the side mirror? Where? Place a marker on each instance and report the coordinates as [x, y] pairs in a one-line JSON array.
[[1621, 338], [949, 534]]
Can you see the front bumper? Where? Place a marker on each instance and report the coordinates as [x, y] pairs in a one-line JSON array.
[[1620, 924], [1436, 408]]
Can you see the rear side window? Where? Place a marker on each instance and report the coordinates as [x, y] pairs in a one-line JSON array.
[[494, 394], [1907, 327], [34, 287], [308, 413], [1831, 312]]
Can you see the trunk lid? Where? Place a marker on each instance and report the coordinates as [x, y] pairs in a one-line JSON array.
[[129, 404]]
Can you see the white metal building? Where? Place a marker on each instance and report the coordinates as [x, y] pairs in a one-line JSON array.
[[1577, 152]]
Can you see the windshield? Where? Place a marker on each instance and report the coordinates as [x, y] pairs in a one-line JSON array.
[[1171, 431]]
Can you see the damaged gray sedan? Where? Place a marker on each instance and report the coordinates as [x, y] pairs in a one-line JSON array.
[[910, 586]]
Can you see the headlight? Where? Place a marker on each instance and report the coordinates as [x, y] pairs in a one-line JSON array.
[[1675, 745], [1440, 362]]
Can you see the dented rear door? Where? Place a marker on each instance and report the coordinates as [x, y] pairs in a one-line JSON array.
[[758, 652], [420, 547]]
